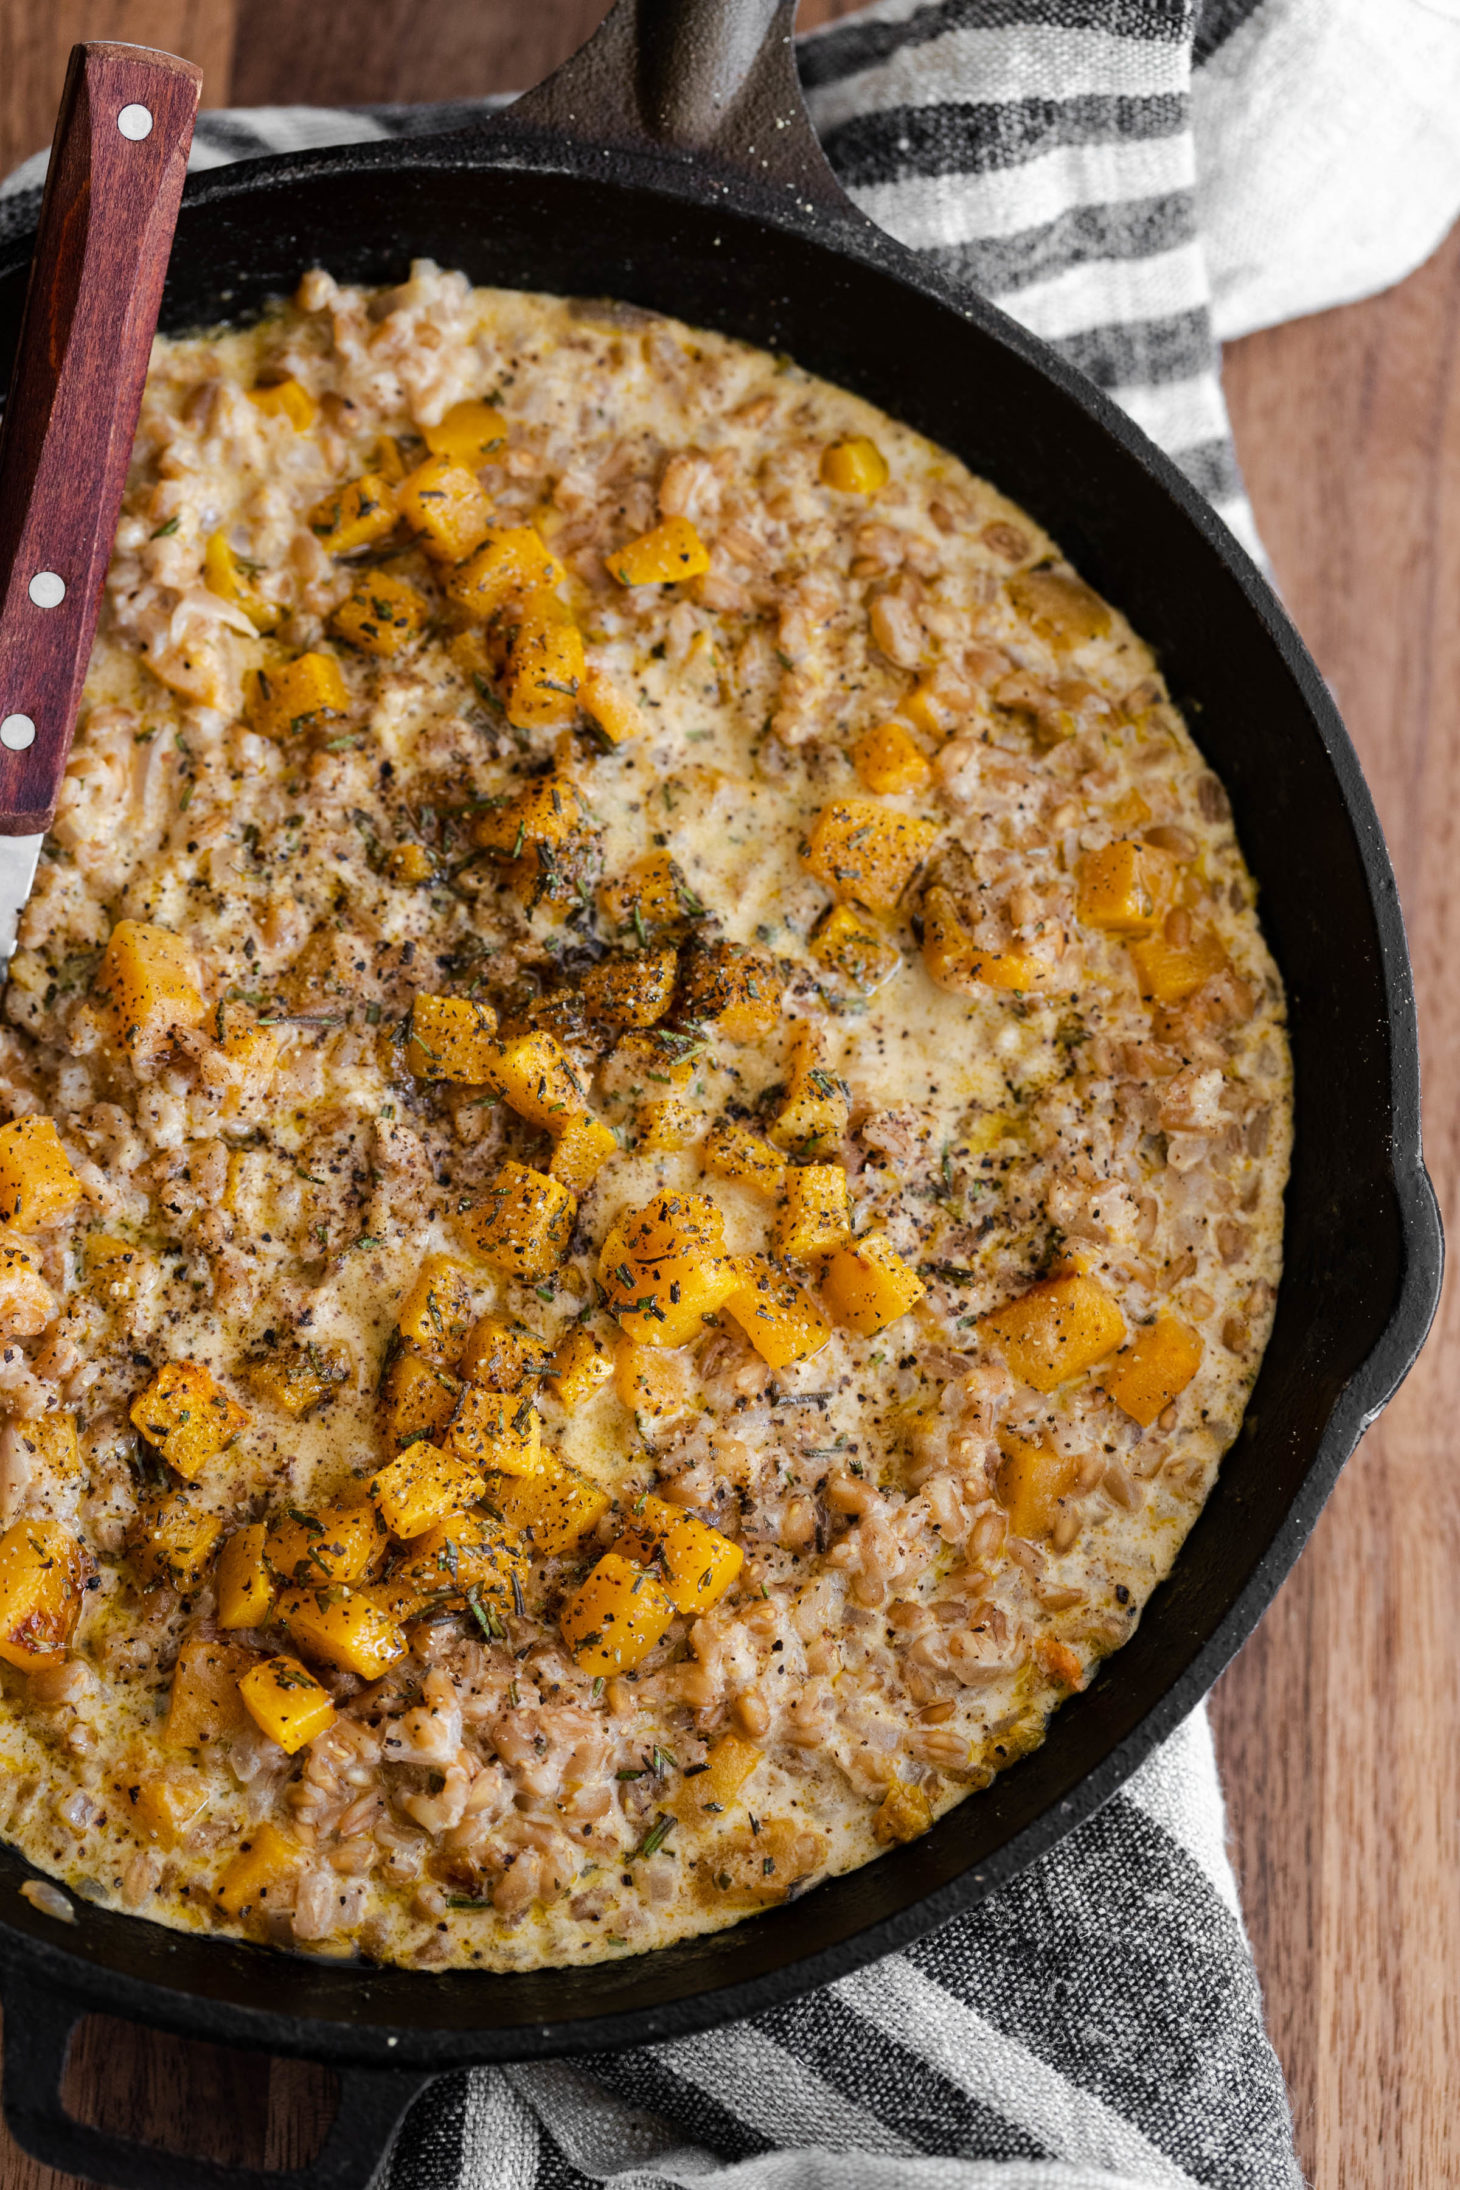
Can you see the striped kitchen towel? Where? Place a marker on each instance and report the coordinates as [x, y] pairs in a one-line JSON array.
[[1132, 179]]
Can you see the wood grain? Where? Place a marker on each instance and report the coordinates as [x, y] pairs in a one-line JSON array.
[[1336, 1727]]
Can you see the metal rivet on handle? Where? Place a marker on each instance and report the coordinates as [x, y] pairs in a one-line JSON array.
[[135, 123], [17, 732], [48, 589]]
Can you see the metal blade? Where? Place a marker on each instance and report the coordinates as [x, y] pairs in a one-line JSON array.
[[18, 856]]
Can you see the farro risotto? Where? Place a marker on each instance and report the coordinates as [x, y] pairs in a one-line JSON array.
[[648, 1121]]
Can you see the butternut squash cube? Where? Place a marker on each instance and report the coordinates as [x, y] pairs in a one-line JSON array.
[[778, 1316], [467, 433], [534, 1075], [411, 864], [1033, 1483], [188, 1416], [417, 1398], [42, 1575], [287, 1703], [580, 1152], [357, 516], [205, 1705], [115, 1268], [1154, 1369], [284, 699], [851, 949], [956, 962], [612, 1622], [1125, 888], [811, 1117], [633, 991], [490, 1430], [297, 1378], [903, 1813], [654, 1062], [173, 1539], [667, 1127], [649, 897], [868, 852], [421, 1486], [732, 1151], [511, 560], [730, 989], [262, 1878], [553, 1510], [1169, 973], [502, 1353], [580, 1367], [443, 502], [754, 1870], [37, 1184], [854, 466], [52, 1440], [147, 983], [464, 1554], [452, 1038], [340, 1543], [697, 1564], [545, 664], [226, 576], [381, 614], [890, 761], [288, 399], [649, 1380], [244, 1585], [718, 1787], [544, 815], [1058, 1329], [609, 708], [815, 1213], [670, 551], [524, 1225], [1060, 607], [166, 1803], [344, 1627], [665, 1271], [868, 1285], [435, 1314]]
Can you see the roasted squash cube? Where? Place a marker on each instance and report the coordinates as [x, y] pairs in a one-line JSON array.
[[580, 1152], [1125, 888], [1034, 1482], [727, 1769], [890, 761], [381, 614], [42, 1575], [811, 1117], [264, 1875], [667, 1126], [173, 1539], [498, 1430], [357, 516], [732, 1151], [288, 399], [421, 1486], [665, 1271], [226, 576], [244, 1585], [696, 1563], [1060, 607], [452, 1038], [548, 810], [1154, 1369], [435, 1314], [612, 1622], [854, 466], [815, 1212], [188, 1416], [778, 1316], [633, 991], [553, 1510], [147, 983], [166, 1803], [649, 898], [443, 502], [501, 1353], [297, 1378], [204, 1705], [465, 1555], [755, 1869], [609, 708], [523, 1225], [1169, 972], [545, 663], [852, 950], [116, 1269], [649, 1380], [654, 1062], [467, 433], [283, 699], [1058, 1329], [580, 1367], [731, 989], [410, 864], [903, 1813], [417, 1397], [343, 1627], [511, 560], [287, 1703], [338, 1543], [671, 551], [37, 1184], [868, 852], [533, 1074], [956, 962], [868, 1285]]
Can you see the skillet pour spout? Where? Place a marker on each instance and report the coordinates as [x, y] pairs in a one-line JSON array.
[[671, 165]]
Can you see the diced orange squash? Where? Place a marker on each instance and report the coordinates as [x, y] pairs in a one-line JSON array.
[[553, 1510], [854, 466], [524, 1224], [188, 1416], [931, 709], [115, 1268], [1154, 1369], [778, 1316], [851, 948], [545, 663], [665, 1271], [495, 1430], [344, 1627], [1168, 972], [649, 897], [338, 1543], [610, 708], [357, 516], [286, 399], [466, 1554], [443, 502], [435, 1314], [244, 1585], [467, 433], [868, 1285], [386, 459], [381, 614], [1033, 1482], [1060, 607], [205, 1705], [37, 1184], [580, 1152], [732, 1151], [696, 1563], [718, 1787], [731, 989], [671, 551], [511, 560], [52, 1440], [868, 852], [410, 864], [815, 1212], [421, 1486], [648, 1380], [890, 761], [811, 1117], [226, 576], [42, 1576], [1058, 1329], [166, 1803], [296, 1378], [667, 1126], [580, 1367], [287, 1703], [903, 1813], [501, 1353], [615, 1618], [262, 1877], [452, 1038], [633, 991], [533, 1074], [1125, 888], [173, 1539], [147, 983], [543, 815], [956, 962], [655, 1062], [756, 1869], [278, 700], [417, 1398]]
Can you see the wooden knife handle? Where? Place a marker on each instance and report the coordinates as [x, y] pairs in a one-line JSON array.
[[118, 163]]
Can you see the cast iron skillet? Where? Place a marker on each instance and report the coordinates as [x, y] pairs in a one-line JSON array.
[[671, 164]]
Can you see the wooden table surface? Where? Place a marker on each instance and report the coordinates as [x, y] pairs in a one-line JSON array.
[[1336, 1728]]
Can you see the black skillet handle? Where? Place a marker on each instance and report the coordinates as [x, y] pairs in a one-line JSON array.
[[39, 2022], [712, 80]]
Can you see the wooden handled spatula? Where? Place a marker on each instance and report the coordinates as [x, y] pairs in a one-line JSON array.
[[118, 163]]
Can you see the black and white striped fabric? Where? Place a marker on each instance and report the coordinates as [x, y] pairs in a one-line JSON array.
[[1132, 179]]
